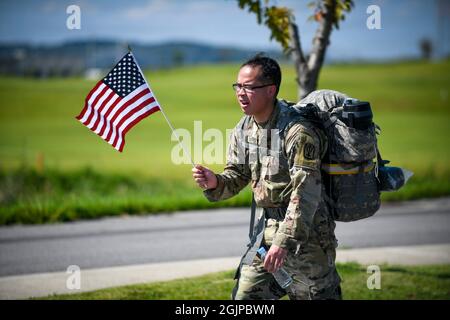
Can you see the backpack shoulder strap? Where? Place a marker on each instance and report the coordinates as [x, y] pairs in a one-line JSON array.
[[252, 218]]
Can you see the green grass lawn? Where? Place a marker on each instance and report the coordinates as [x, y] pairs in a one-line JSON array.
[[38, 131], [397, 282], [37, 117]]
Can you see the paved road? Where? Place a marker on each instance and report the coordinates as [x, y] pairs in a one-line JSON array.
[[196, 235]]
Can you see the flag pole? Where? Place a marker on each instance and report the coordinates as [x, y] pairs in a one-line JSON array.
[[162, 111]]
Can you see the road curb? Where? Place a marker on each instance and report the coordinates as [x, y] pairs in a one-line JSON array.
[[44, 284]]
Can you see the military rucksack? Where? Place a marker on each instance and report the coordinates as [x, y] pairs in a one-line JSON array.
[[353, 171]]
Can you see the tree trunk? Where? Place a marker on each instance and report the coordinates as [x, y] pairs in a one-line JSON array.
[[308, 70]]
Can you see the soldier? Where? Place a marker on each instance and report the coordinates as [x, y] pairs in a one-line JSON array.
[[295, 224]]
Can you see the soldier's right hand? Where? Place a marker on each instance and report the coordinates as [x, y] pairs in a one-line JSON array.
[[204, 177]]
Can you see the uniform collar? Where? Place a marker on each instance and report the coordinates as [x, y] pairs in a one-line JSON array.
[[270, 123]]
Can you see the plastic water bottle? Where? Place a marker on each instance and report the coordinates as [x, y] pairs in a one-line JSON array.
[[281, 276]]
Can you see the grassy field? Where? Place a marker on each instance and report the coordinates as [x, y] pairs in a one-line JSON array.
[[397, 282], [52, 168]]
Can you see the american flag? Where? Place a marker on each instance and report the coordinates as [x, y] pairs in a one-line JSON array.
[[118, 102]]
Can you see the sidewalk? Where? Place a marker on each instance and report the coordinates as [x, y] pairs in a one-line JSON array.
[[43, 284]]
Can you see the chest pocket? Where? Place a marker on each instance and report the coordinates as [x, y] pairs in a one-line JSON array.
[[274, 178]]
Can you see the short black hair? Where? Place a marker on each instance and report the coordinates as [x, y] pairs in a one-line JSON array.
[[270, 69]]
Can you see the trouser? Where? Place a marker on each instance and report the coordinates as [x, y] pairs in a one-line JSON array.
[[312, 268]]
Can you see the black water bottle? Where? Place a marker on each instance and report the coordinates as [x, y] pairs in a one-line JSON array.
[[357, 114]]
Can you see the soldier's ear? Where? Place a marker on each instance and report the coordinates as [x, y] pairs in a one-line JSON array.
[[272, 90]]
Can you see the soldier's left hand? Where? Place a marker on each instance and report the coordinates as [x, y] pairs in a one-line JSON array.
[[274, 258]]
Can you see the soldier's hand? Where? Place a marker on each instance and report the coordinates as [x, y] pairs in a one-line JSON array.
[[204, 177], [274, 258]]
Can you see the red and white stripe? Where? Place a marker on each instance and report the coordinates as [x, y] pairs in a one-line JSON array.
[[110, 116]]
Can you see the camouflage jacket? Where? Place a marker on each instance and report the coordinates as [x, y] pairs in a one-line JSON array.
[[282, 159]]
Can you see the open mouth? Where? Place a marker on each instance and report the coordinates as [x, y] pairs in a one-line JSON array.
[[244, 104]]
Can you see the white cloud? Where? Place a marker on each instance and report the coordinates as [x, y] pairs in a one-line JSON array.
[[174, 7], [50, 6], [152, 7]]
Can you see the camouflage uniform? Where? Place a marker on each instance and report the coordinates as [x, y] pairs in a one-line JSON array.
[[287, 184]]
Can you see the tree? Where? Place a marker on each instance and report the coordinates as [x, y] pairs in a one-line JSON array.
[[426, 48], [284, 30]]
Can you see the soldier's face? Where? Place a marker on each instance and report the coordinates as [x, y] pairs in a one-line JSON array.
[[254, 101]]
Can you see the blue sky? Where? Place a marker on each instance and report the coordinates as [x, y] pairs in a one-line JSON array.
[[221, 22]]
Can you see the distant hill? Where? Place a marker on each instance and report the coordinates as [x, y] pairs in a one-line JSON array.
[[76, 57]]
